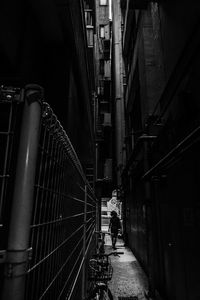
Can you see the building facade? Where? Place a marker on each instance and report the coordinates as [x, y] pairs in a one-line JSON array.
[[103, 104], [161, 205]]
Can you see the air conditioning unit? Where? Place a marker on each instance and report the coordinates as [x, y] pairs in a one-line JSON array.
[[107, 68], [107, 120]]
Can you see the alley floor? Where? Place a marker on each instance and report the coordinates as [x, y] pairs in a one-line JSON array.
[[129, 282]]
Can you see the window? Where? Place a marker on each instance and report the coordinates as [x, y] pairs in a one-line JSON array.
[[106, 49], [103, 2], [101, 88], [88, 17], [90, 36], [107, 86], [102, 31], [101, 66]]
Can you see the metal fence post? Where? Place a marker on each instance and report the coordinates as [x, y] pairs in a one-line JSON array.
[[21, 212], [84, 243], [149, 223], [97, 217]]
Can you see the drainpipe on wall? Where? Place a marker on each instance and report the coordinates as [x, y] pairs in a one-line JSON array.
[[159, 263], [149, 220], [118, 82]]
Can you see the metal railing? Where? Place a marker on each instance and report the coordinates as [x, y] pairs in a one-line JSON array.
[[54, 211]]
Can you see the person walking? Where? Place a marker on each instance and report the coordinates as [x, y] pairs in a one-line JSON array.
[[114, 227]]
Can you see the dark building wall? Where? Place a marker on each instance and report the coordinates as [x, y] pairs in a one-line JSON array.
[[178, 21], [45, 43], [162, 171]]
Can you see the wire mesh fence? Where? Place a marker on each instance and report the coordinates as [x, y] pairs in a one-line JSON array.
[[63, 215]]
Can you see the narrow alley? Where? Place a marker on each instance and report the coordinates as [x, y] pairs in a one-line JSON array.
[[129, 280], [99, 131]]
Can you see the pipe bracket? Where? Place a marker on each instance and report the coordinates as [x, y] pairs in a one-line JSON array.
[[15, 261]]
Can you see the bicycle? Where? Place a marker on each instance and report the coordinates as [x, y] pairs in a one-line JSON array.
[[100, 272], [101, 242]]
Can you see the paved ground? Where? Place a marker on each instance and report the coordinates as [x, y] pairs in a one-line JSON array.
[[128, 278]]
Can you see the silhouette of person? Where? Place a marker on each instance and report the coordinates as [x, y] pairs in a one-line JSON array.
[[114, 227]]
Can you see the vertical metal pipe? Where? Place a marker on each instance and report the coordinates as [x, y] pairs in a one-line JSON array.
[[96, 161], [149, 224], [95, 111], [18, 240], [97, 216], [118, 82], [84, 243], [158, 230]]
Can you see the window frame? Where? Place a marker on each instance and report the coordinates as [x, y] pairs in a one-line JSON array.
[[102, 30]]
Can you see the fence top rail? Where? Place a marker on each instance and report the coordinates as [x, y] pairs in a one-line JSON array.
[[53, 124]]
